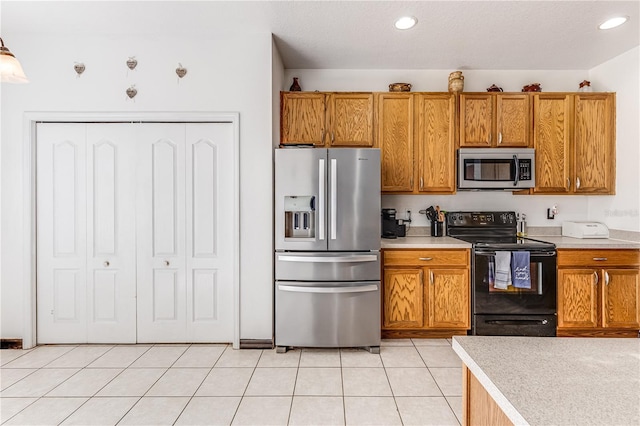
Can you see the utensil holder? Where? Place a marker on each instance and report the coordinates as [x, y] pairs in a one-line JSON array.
[[437, 228]]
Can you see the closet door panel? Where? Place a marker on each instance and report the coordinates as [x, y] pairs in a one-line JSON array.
[[161, 232], [111, 275], [209, 232], [61, 233]]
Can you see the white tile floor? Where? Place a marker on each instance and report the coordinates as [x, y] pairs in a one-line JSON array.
[[411, 382]]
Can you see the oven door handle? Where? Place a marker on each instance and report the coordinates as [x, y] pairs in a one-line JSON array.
[[532, 253]]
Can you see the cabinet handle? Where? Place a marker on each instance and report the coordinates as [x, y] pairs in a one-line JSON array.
[[106, 263], [332, 137], [577, 183], [421, 278], [490, 138], [322, 136], [431, 277], [600, 259], [596, 275], [166, 263], [568, 183], [425, 258], [499, 138], [411, 183], [421, 182], [606, 278]]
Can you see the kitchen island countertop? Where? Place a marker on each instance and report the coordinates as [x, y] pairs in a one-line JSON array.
[[424, 242], [554, 380]]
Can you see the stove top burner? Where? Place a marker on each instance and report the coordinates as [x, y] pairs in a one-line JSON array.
[[491, 231]]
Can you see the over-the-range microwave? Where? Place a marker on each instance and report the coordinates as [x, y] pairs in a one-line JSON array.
[[509, 169]]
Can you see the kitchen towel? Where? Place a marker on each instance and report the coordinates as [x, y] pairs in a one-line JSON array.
[[503, 270], [492, 273], [520, 269]]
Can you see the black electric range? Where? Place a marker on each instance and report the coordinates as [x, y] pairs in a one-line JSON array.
[[511, 311]]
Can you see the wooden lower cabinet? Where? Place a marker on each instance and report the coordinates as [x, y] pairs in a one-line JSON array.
[[599, 292], [426, 293]]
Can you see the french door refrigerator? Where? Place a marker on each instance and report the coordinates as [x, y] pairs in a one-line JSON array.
[[327, 258]]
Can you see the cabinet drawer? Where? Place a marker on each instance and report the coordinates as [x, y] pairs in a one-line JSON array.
[[426, 257], [597, 258]]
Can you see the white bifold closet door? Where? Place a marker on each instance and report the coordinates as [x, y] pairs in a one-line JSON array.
[[86, 266], [134, 232], [185, 192]]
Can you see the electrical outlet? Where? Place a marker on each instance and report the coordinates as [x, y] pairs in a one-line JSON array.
[[408, 216]]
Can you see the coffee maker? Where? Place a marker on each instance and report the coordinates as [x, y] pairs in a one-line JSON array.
[[390, 226]]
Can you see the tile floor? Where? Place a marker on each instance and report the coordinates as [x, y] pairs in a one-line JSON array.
[[411, 382]]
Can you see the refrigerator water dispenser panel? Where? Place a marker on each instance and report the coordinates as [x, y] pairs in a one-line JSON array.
[[299, 216]]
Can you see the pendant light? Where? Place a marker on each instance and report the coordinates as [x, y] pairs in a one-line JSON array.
[[10, 69]]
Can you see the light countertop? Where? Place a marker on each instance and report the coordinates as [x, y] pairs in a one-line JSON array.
[[425, 242], [555, 380], [587, 243]]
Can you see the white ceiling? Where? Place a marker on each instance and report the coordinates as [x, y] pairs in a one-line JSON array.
[[550, 35]]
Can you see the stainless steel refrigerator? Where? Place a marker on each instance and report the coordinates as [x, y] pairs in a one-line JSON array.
[[327, 258]]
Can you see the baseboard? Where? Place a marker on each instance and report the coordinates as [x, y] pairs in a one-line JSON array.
[[10, 343], [256, 344]]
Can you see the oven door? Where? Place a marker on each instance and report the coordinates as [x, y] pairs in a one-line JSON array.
[[540, 299]]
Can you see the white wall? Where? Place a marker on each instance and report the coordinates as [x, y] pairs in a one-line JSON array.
[[622, 75], [620, 71], [230, 74]]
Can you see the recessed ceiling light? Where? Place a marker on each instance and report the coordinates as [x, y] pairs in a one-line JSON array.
[[613, 22], [406, 22]]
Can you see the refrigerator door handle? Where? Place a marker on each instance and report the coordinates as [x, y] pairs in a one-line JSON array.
[[321, 216], [334, 197], [329, 259], [329, 290]]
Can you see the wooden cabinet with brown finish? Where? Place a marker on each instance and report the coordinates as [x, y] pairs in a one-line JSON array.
[[495, 120], [598, 292], [574, 140], [435, 142], [394, 118], [326, 119], [594, 136], [426, 293]]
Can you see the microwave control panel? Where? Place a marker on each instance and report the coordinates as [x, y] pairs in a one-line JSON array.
[[525, 169]]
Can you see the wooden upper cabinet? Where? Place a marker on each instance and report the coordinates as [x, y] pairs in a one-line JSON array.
[[495, 120], [513, 120], [476, 120], [394, 117], [552, 142], [594, 153], [302, 118], [435, 142], [621, 298], [350, 117]]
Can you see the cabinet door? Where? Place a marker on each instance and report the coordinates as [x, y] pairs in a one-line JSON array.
[[351, 119], [403, 298], [435, 143], [577, 298], [621, 298], [395, 136], [552, 143], [594, 144], [476, 120], [513, 120], [448, 297], [302, 118]]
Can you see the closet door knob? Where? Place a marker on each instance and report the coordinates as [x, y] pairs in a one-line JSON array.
[[106, 263], [166, 263]]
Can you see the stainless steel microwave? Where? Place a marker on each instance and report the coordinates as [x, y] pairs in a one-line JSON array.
[[509, 169]]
